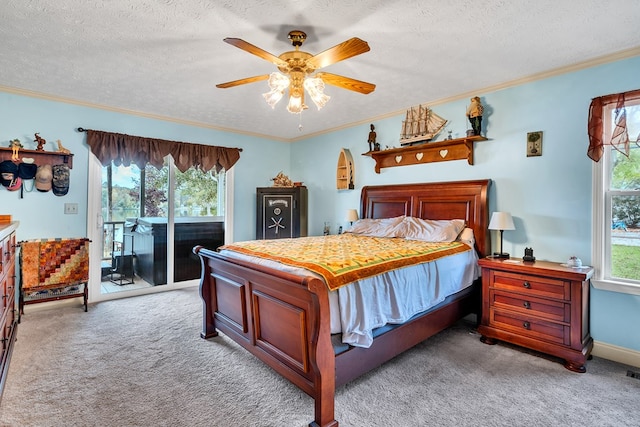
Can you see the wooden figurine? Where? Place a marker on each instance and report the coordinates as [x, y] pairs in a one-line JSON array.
[[15, 148], [62, 149], [41, 141], [474, 114], [372, 138]]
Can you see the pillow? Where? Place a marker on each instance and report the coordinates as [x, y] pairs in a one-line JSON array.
[[467, 237], [432, 230], [382, 227]]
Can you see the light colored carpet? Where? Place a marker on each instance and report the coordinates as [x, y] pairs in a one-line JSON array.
[[141, 362]]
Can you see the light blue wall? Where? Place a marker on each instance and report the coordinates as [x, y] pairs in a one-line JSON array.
[[549, 196], [42, 214]]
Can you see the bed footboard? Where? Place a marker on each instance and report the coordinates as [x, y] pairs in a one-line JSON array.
[[282, 319]]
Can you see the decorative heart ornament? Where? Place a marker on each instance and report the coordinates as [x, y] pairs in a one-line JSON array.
[[443, 153], [398, 159], [419, 156]]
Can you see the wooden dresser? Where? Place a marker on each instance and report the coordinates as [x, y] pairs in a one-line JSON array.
[[8, 313], [540, 305]]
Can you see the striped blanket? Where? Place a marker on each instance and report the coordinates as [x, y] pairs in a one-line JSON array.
[[54, 263]]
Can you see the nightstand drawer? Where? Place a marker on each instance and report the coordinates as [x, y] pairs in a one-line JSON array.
[[530, 326], [558, 311], [534, 285]]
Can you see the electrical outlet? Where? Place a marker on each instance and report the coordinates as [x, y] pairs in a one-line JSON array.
[[71, 208]]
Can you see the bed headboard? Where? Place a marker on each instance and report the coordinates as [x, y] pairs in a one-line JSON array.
[[466, 200]]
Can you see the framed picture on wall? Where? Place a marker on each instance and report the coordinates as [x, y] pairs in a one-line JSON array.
[[534, 144]]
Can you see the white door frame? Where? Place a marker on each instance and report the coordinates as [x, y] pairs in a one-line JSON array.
[[95, 230]]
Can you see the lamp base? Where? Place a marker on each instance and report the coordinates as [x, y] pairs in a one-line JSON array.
[[500, 255]]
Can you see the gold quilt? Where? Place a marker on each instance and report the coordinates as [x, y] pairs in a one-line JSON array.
[[345, 258]]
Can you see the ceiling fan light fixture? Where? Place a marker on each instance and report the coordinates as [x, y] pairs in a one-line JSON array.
[[273, 97], [315, 89], [278, 83], [296, 104]]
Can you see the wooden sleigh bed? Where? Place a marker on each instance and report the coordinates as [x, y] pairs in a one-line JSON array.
[[284, 319]]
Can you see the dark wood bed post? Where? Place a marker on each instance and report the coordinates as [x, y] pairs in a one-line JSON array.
[[323, 362], [208, 325]]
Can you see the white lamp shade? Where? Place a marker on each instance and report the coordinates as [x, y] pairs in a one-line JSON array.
[[501, 221], [352, 215]]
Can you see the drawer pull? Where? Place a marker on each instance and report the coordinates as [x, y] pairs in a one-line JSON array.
[[526, 325], [527, 285], [526, 304]]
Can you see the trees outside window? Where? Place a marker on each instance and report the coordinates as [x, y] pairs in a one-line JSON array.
[[129, 193], [617, 205]]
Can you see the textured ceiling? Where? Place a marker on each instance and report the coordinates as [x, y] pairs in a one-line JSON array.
[[163, 58]]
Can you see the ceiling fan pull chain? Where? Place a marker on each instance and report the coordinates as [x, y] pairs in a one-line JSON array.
[[300, 125]]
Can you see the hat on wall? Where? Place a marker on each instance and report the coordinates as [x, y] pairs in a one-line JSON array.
[[60, 180], [8, 174], [16, 184], [44, 176], [27, 170]]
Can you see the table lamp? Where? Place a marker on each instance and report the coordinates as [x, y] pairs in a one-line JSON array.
[[352, 215], [501, 221]]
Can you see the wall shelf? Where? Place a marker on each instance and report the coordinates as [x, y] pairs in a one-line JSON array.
[[429, 152], [39, 157], [345, 171]]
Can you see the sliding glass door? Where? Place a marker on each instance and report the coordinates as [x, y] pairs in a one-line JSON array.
[[147, 222]]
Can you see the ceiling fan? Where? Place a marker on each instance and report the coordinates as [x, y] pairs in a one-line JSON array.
[[297, 70]]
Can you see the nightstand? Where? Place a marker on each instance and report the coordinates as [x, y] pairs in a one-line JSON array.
[[540, 305]]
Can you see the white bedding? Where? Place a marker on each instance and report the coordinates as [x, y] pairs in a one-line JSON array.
[[390, 297]]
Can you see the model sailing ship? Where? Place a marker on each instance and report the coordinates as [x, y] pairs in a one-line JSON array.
[[420, 125]]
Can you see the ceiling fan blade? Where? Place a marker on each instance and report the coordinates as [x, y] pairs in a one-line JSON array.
[[347, 83], [344, 50], [248, 47], [242, 81]]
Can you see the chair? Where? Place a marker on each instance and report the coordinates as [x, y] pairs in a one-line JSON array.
[[122, 255]]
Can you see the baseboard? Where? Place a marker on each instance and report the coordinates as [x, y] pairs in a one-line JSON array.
[[617, 354], [47, 305]]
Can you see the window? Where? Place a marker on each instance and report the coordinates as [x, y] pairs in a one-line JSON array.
[[616, 210]]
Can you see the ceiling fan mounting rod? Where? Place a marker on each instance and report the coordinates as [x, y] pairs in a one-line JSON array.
[[297, 37]]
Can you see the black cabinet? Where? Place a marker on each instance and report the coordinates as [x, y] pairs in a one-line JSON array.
[[150, 247], [282, 212]]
